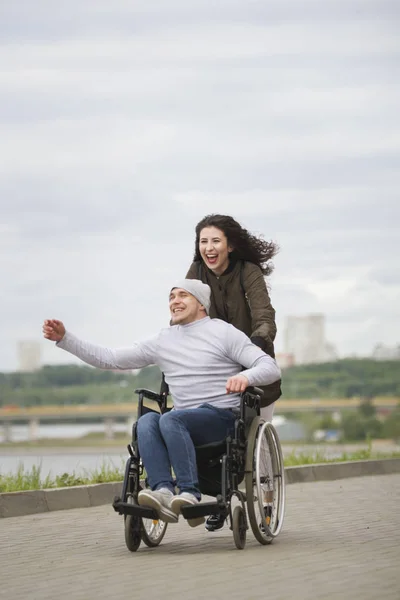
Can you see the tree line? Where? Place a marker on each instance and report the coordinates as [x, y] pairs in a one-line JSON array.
[[76, 384], [346, 378]]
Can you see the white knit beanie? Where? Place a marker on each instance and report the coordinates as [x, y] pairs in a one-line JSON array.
[[201, 291]]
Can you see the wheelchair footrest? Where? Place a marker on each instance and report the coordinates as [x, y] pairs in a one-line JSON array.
[[125, 508], [203, 509]]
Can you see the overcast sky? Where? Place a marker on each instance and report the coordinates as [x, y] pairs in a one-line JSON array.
[[122, 124]]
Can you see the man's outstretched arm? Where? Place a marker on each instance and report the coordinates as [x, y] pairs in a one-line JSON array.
[[136, 357]]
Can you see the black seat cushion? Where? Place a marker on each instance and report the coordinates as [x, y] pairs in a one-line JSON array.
[[210, 478], [209, 451], [209, 467], [209, 475]]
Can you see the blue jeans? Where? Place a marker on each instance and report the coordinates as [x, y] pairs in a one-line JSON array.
[[169, 440]]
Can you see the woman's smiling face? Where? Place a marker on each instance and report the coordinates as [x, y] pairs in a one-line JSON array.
[[214, 249]]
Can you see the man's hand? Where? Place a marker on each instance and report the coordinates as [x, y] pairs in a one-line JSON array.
[[237, 384], [53, 330]]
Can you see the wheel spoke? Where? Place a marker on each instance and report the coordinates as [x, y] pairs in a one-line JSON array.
[[153, 531]]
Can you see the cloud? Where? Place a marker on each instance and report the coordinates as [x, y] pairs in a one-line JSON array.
[[123, 125]]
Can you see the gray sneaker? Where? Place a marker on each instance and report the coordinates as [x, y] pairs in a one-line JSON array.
[[186, 499], [160, 500]]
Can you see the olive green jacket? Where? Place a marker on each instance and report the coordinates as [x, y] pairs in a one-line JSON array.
[[240, 297]]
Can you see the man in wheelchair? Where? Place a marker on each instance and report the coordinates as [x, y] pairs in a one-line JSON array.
[[202, 360]]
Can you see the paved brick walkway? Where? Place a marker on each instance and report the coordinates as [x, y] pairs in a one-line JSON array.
[[340, 540]]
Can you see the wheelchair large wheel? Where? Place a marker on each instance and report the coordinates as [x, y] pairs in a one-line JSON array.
[[265, 484], [270, 476], [153, 531]]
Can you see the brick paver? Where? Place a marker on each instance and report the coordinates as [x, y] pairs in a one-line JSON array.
[[340, 540]]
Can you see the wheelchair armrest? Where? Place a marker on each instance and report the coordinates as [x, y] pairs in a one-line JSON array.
[[149, 395], [254, 391], [161, 400], [250, 398]]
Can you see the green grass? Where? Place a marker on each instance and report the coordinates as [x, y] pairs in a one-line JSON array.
[[295, 459], [32, 480]]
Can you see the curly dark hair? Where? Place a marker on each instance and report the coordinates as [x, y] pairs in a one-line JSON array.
[[245, 245]]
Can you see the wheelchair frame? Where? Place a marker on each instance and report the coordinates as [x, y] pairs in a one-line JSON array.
[[252, 455]]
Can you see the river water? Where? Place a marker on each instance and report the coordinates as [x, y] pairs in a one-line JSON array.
[[56, 461], [79, 459]]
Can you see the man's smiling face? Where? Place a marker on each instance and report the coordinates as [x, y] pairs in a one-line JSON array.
[[184, 307]]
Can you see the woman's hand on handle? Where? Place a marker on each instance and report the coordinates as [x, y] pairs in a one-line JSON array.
[[237, 384], [53, 330]]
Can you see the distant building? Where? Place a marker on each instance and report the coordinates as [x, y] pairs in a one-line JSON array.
[[284, 360], [304, 338], [382, 352], [29, 355]]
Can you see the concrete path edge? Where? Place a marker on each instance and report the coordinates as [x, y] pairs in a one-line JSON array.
[[17, 504]]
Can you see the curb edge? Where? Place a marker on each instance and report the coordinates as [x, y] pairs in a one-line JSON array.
[[17, 504]]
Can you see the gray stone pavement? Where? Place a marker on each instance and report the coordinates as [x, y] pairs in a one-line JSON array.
[[340, 540]]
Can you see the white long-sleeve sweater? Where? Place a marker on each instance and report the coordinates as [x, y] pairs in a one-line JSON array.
[[197, 360]]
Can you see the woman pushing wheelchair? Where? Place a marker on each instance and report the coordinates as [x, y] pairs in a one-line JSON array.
[[233, 262]]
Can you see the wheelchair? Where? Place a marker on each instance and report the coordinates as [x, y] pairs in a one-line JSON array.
[[242, 471]]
